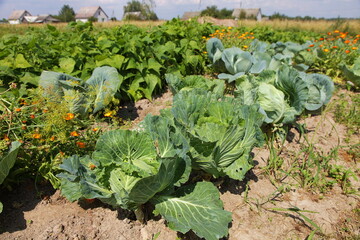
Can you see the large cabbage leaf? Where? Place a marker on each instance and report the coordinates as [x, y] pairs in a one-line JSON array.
[[104, 83], [196, 207], [272, 101]]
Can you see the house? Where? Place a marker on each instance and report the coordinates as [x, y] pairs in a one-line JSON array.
[[243, 13], [86, 13], [190, 15], [41, 19], [18, 16], [133, 16]]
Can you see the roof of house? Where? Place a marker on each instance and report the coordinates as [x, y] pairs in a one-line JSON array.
[[41, 19], [188, 15], [88, 12], [248, 11], [18, 14]]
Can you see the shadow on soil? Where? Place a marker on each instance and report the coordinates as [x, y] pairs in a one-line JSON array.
[[21, 199]]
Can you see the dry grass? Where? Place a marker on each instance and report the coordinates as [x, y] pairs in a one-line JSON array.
[[319, 26]]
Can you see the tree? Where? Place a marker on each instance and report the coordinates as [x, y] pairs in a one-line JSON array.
[[145, 8], [213, 11], [66, 14]]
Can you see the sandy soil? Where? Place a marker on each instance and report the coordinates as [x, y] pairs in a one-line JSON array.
[[39, 212]]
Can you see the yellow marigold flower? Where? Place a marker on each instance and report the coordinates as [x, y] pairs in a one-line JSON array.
[[245, 46], [326, 50], [354, 48], [229, 28], [81, 144], [336, 31], [108, 114], [69, 116], [74, 134], [205, 52], [95, 129], [203, 37], [36, 135]]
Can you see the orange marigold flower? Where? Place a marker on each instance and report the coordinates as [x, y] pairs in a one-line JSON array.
[[354, 48], [69, 116], [81, 144], [23, 127], [92, 166], [32, 116], [52, 138], [334, 46], [74, 134], [95, 129], [347, 41], [21, 141], [308, 49], [23, 121], [17, 109], [321, 39], [347, 51], [108, 114], [321, 45], [36, 135], [311, 45], [45, 111], [329, 33]]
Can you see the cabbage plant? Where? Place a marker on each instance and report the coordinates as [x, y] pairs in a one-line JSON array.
[[82, 96], [131, 168]]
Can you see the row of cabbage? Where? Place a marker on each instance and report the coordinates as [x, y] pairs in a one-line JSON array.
[[204, 132]]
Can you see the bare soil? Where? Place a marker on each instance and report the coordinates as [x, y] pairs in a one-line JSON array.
[[257, 204]]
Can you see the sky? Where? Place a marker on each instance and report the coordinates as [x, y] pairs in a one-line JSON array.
[[167, 9]]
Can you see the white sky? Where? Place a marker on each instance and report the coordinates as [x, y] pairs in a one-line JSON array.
[[167, 9]]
